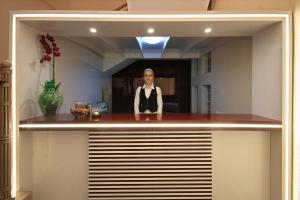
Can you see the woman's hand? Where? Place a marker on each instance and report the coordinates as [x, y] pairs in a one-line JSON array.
[[159, 116], [137, 117]]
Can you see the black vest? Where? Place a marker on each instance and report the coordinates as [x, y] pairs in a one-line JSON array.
[[148, 103]]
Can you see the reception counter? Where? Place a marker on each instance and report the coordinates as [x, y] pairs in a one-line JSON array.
[[154, 121], [139, 157]]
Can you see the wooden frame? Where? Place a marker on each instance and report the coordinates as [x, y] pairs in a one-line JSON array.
[[5, 130]]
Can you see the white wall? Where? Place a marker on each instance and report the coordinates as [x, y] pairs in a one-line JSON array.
[[230, 78], [231, 72], [246, 75], [76, 69], [266, 72], [31, 74]]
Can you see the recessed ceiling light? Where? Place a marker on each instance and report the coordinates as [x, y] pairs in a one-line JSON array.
[[93, 30], [208, 30], [150, 30]]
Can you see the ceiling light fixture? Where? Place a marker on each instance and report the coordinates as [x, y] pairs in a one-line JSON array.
[[150, 30], [152, 46], [208, 30], [93, 30], [154, 40]]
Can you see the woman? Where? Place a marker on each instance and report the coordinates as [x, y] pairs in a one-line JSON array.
[[148, 98]]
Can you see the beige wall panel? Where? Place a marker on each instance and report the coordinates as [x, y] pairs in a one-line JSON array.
[[276, 165], [254, 5], [231, 77], [25, 161], [56, 164], [267, 57], [241, 165], [167, 5], [95, 4]]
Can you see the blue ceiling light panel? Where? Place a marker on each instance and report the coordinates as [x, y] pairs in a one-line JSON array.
[[152, 46]]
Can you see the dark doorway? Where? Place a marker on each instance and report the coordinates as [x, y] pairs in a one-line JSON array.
[[172, 76]]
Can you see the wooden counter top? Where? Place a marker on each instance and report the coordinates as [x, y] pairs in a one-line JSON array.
[[151, 121]]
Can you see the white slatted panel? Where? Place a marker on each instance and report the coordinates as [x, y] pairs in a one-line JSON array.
[[150, 165]]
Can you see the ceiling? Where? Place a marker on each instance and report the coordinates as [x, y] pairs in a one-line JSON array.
[[139, 28], [177, 47], [118, 39]]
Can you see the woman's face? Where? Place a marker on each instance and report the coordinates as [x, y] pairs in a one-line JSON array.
[[148, 77]]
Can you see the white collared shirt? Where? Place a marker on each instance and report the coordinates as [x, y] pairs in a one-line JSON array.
[[147, 93]]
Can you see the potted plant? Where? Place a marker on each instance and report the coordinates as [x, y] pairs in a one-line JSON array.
[[50, 100]]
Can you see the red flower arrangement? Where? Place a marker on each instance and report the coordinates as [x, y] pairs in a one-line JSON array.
[[51, 50], [50, 100]]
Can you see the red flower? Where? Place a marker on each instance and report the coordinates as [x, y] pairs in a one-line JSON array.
[[48, 51], [50, 47], [56, 54], [47, 57], [50, 38]]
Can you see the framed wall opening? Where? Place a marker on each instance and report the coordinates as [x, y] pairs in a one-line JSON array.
[[282, 18]]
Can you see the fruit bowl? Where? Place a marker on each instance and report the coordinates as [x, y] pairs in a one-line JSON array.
[[80, 110]]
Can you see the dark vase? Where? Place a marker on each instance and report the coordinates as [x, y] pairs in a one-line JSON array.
[[50, 100]]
